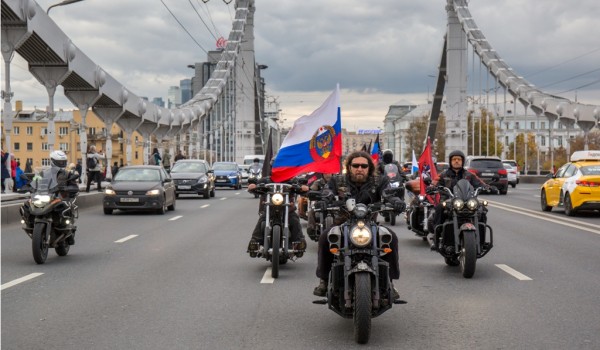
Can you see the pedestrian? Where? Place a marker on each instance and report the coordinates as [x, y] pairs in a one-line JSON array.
[[78, 169], [114, 169], [94, 167], [155, 157], [28, 168], [13, 172], [19, 181], [179, 155], [166, 161], [5, 173]]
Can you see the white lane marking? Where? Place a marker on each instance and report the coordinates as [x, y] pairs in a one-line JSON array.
[[516, 274], [126, 238], [223, 198], [538, 215], [20, 280], [267, 277], [205, 206], [176, 217]]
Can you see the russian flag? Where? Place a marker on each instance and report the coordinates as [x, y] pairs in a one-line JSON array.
[[313, 144]]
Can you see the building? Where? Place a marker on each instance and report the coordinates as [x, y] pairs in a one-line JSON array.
[[355, 140], [185, 86], [30, 141], [158, 101], [173, 97]]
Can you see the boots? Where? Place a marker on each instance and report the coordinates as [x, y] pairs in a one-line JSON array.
[[253, 248], [299, 247], [321, 289]]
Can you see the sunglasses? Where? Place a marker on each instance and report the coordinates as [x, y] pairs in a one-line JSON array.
[[356, 166]]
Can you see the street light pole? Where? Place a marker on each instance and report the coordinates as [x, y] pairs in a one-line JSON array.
[[63, 3]]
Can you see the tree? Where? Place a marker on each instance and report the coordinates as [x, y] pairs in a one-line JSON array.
[[416, 137], [532, 150], [487, 124], [578, 144]]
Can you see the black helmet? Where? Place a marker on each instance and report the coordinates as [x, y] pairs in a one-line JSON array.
[[388, 156], [456, 153], [256, 160]]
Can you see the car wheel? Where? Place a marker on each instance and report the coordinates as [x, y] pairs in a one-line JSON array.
[[513, 185], [568, 205], [108, 211], [206, 194], [176, 195], [504, 190], [544, 202], [172, 206], [163, 209]]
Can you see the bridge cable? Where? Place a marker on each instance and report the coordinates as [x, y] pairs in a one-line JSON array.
[[579, 87], [567, 61], [202, 19], [573, 77], [211, 19]]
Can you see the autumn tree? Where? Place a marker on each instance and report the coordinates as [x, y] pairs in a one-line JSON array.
[[478, 130], [417, 134]]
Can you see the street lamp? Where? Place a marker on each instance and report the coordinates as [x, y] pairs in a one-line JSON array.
[[64, 2]]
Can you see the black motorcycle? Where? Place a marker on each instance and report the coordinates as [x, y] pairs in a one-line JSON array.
[[323, 211], [397, 179], [48, 217], [254, 174], [418, 212], [359, 282], [464, 236], [277, 247]]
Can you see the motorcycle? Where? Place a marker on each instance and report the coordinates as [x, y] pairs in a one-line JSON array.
[[48, 217], [396, 178], [276, 246], [254, 174], [419, 210], [461, 238], [323, 213], [359, 285]]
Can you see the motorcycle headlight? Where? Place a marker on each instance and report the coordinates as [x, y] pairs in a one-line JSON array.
[[41, 200], [277, 199], [458, 204], [360, 235], [155, 192], [421, 197], [360, 211], [109, 192], [472, 203]]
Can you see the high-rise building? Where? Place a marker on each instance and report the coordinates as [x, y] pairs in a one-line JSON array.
[[174, 97], [158, 101], [185, 86]]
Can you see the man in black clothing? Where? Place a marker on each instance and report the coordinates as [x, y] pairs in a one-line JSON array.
[[360, 183]]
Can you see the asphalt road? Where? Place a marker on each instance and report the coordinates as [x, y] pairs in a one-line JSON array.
[[184, 281]]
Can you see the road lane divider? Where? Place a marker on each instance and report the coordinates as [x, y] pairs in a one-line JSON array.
[[176, 218], [223, 198], [543, 216], [20, 280], [204, 206], [267, 277], [516, 274], [124, 239]]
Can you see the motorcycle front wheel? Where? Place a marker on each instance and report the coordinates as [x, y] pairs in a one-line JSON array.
[[275, 243], [39, 244], [393, 219], [468, 254], [362, 307], [62, 249]]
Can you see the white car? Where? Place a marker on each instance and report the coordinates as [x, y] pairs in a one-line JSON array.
[[511, 175]]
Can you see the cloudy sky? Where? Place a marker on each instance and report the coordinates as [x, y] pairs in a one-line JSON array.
[[379, 51]]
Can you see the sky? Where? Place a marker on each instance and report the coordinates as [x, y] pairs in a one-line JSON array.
[[380, 51]]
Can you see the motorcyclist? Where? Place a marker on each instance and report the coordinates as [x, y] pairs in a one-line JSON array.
[[448, 178], [361, 183], [317, 185], [388, 158], [258, 234], [256, 166]]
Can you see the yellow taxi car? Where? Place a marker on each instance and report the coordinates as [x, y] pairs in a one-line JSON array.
[[575, 185]]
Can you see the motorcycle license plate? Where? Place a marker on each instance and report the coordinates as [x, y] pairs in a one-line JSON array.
[[185, 187], [130, 200]]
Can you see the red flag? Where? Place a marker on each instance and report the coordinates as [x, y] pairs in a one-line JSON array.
[[376, 150], [426, 165]]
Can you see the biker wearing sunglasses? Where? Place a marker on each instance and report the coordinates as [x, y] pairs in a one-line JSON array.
[[361, 183]]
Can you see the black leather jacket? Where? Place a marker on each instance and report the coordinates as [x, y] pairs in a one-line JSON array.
[[449, 178]]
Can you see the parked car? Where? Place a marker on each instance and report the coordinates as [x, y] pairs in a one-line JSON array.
[[490, 170], [227, 174], [193, 176], [511, 175], [576, 185], [140, 187]]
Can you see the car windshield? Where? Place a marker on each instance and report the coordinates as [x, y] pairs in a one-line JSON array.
[[590, 170], [189, 167], [507, 166], [225, 166], [137, 174], [486, 163]]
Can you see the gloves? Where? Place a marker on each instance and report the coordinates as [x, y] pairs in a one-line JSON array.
[[399, 205]]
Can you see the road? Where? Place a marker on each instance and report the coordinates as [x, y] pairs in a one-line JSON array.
[[184, 281]]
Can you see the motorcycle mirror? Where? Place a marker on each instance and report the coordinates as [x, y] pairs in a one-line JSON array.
[[350, 204]]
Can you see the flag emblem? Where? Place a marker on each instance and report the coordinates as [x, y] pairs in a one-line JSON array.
[[321, 144]]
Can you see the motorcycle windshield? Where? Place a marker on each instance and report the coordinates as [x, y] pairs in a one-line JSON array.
[[392, 172], [46, 182], [463, 189]]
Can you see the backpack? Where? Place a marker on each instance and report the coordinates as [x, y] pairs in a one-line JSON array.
[[91, 162]]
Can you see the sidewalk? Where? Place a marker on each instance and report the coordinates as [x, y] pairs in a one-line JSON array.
[[12, 196]]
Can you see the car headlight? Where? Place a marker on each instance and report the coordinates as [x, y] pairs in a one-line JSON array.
[[41, 200], [202, 179], [232, 176], [360, 235], [458, 204], [109, 192], [155, 192], [472, 203], [277, 199]]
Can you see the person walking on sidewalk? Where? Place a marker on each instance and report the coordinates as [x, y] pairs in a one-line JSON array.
[[94, 166]]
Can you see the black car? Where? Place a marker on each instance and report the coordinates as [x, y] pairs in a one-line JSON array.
[[193, 176], [140, 187], [490, 170]]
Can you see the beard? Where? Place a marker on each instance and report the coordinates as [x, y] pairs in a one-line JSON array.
[[359, 178]]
